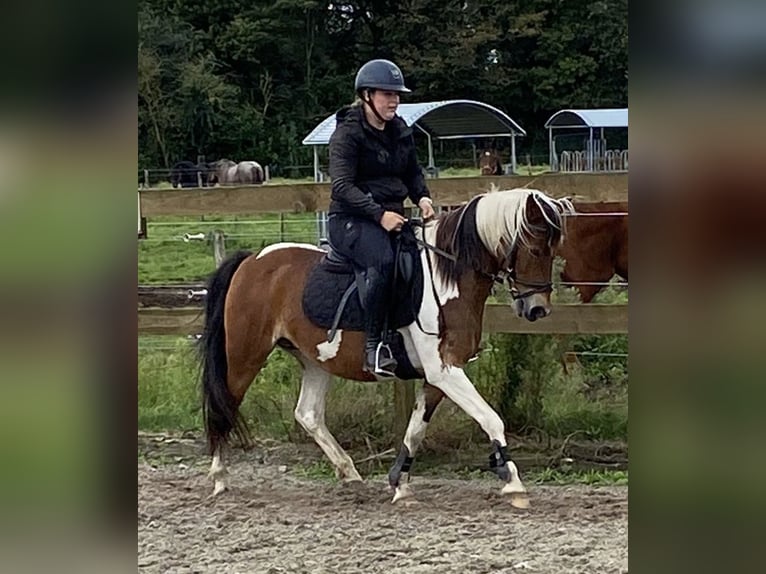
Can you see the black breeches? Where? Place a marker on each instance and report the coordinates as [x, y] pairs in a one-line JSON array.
[[370, 248], [363, 241]]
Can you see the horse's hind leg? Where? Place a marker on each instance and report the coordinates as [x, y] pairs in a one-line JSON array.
[[241, 374], [309, 412], [428, 398]]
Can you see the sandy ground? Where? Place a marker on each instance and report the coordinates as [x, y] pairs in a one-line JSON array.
[[275, 520]]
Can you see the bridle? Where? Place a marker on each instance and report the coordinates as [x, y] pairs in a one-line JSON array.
[[508, 273]]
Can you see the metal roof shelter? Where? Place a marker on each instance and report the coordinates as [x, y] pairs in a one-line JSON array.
[[590, 119], [446, 119]]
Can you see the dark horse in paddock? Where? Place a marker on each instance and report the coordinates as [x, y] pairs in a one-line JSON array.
[[490, 163], [254, 304], [596, 246], [188, 174]]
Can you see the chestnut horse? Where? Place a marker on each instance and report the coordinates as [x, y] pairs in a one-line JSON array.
[[254, 304], [596, 247], [490, 163]]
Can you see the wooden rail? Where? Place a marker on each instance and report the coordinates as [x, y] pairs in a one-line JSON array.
[[498, 318], [307, 197]]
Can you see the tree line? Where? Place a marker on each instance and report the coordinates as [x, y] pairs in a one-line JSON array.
[[249, 80]]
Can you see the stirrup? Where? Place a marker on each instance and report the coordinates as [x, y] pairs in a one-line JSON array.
[[384, 366]]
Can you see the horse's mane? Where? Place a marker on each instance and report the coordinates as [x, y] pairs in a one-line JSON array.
[[456, 234], [490, 224]]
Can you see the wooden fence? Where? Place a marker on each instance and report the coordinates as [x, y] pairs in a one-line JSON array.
[[304, 197], [498, 318], [308, 197]]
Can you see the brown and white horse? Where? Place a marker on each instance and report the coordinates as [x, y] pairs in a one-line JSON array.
[[254, 305]]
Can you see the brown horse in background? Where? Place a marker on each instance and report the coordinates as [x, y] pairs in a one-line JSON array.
[[254, 304], [490, 163], [596, 246]]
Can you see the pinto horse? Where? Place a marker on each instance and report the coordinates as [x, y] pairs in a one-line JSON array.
[[596, 246], [254, 304]]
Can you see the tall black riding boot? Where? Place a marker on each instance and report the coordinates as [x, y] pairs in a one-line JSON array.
[[377, 356]]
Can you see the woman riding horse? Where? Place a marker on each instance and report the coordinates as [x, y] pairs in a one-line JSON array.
[[374, 167]]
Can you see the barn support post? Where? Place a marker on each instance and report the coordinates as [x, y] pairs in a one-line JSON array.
[[513, 153], [551, 164], [430, 166]]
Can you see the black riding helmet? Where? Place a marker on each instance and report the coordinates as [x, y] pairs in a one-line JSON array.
[[380, 75]]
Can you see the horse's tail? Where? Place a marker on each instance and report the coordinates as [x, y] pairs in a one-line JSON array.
[[219, 407], [257, 173]]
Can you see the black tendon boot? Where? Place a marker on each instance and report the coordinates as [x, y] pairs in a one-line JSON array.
[[377, 356]]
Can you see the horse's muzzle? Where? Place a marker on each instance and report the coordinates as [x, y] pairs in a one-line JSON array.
[[535, 313]]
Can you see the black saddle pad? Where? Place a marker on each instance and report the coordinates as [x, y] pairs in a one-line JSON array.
[[327, 282]]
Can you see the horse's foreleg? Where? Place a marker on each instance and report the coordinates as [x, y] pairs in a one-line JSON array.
[[428, 398], [456, 385], [309, 412]]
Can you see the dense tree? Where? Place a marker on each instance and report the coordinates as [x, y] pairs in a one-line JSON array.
[[251, 79]]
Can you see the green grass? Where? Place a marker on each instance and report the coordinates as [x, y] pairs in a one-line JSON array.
[[590, 477], [521, 169], [591, 402], [322, 470], [164, 257], [318, 470], [167, 389], [474, 172]]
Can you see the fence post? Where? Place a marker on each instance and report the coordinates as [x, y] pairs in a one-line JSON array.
[[529, 164], [219, 247], [266, 174], [146, 178]]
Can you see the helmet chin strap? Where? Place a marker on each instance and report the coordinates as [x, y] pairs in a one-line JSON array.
[[367, 100]]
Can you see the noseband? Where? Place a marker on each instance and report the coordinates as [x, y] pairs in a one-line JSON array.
[[510, 273]]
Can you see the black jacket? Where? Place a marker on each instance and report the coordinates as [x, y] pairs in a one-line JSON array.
[[373, 170]]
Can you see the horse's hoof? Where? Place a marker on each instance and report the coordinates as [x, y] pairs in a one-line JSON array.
[[520, 500], [402, 492], [517, 492], [220, 486]]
